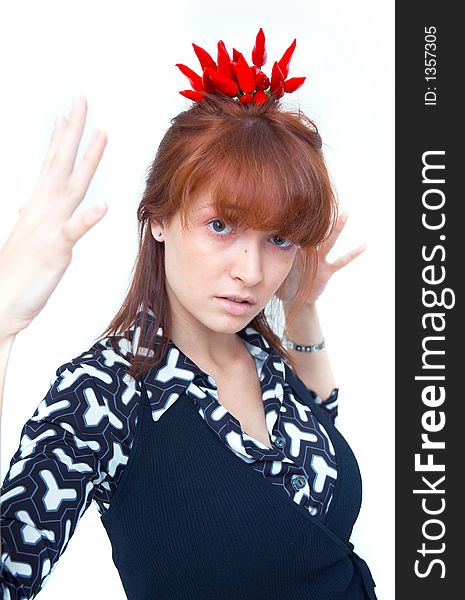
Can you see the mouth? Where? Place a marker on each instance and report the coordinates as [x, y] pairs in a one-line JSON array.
[[234, 306], [239, 299]]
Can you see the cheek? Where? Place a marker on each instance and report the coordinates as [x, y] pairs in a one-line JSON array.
[[189, 261], [281, 266]]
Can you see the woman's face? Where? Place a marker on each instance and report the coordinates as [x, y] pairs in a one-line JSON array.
[[210, 259]]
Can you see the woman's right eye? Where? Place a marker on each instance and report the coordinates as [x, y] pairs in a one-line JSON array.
[[214, 230]]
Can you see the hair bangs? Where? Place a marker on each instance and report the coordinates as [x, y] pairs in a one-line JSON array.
[[258, 183]]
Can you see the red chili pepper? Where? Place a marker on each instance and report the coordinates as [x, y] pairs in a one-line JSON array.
[[224, 61], [208, 84], [286, 59], [194, 79], [222, 83], [236, 78], [292, 84], [204, 58], [236, 55], [259, 51], [192, 95], [245, 76], [262, 81], [277, 81], [260, 97], [246, 99]]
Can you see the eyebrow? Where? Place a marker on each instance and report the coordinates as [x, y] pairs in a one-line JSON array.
[[203, 207], [233, 207]]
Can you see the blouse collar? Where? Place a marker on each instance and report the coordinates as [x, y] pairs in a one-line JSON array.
[[166, 383]]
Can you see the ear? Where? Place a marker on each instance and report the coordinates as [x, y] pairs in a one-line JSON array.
[[156, 227]]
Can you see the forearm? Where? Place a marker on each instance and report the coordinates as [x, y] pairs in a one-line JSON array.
[[6, 342], [313, 368], [5, 348]]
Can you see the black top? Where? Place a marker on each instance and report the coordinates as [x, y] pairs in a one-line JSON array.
[[192, 521], [75, 447]]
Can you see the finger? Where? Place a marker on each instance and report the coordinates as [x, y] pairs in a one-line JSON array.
[[65, 156], [327, 245], [54, 138], [77, 225], [60, 125], [347, 258], [81, 177]]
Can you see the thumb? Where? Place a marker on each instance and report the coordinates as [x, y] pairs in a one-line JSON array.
[[79, 224]]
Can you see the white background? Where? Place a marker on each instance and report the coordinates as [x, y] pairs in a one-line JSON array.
[[122, 56]]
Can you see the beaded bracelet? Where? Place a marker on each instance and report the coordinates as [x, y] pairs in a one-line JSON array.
[[302, 347]]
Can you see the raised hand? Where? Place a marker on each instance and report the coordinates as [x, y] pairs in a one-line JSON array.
[[39, 248], [325, 269]]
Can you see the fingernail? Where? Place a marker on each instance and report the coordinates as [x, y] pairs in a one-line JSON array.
[[101, 206], [97, 132], [59, 120], [77, 99]]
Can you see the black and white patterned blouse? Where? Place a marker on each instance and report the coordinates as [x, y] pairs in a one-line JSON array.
[[75, 447]]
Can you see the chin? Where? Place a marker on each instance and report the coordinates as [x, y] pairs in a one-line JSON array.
[[229, 324]]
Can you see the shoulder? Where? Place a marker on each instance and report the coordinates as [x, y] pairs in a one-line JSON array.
[[92, 396], [101, 364]]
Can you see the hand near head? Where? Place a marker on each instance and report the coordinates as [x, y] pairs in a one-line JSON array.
[[325, 269], [39, 248]]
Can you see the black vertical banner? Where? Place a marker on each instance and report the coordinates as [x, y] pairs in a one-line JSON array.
[[430, 260]]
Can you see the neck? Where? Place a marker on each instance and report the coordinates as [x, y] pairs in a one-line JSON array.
[[210, 350]]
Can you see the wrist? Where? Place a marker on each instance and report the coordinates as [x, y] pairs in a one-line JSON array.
[[308, 307], [293, 345], [305, 327], [7, 331], [6, 340]]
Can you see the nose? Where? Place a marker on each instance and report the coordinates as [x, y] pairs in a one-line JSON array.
[[247, 261]]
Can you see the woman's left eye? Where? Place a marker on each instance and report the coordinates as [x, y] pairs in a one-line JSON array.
[[287, 245]]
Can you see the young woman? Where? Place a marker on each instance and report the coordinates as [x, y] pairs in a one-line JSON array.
[[207, 441]]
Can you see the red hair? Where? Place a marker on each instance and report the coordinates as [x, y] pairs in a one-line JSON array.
[[264, 169]]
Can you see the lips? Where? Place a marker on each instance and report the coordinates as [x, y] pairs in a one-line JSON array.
[[234, 300], [239, 299], [235, 308]]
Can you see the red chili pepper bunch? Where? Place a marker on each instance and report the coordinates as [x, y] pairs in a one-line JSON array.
[[234, 77]]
